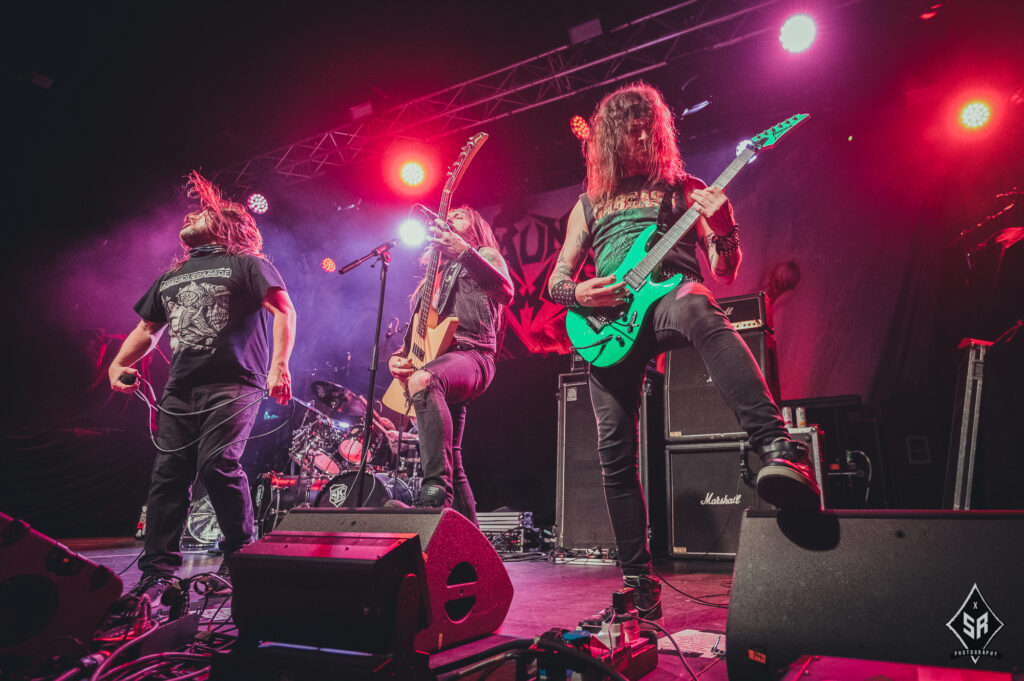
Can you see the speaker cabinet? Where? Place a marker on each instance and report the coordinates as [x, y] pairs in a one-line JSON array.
[[923, 587], [49, 598], [694, 409], [468, 590], [581, 515], [710, 484]]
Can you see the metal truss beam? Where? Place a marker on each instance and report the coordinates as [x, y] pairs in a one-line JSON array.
[[628, 51]]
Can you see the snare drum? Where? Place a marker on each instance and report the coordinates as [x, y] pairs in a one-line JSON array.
[[378, 488]]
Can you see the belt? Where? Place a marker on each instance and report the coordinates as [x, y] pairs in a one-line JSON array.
[[688, 276], [462, 346]]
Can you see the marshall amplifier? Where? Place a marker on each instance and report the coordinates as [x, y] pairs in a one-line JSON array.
[[710, 484], [694, 409]]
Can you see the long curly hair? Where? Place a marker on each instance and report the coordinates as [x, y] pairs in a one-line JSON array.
[[609, 126], [230, 224]]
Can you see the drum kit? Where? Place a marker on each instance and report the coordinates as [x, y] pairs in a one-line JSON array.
[[324, 455], [323, 458]]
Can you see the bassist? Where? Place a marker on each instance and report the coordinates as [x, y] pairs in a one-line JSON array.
[[474, 286], [635, 178]]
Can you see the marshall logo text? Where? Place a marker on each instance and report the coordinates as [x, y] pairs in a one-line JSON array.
[[711, 500]]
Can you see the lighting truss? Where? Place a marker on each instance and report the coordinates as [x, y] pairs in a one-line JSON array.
[[627, 51]]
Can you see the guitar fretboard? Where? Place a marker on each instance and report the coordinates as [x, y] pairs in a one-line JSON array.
[[638, 275]]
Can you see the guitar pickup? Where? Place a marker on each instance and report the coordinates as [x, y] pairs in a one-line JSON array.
[[597, 321]]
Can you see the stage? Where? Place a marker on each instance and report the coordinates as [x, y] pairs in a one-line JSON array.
[[547, 596]]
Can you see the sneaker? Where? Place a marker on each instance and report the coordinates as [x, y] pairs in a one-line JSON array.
[[647, 592], [395, 503], [149, 586], [787, 479], [431, 496], [218, 584]]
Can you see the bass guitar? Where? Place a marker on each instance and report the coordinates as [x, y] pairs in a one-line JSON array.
[[430, 336], [605, 335]]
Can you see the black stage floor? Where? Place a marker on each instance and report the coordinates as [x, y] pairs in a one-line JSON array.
[[546, 596]]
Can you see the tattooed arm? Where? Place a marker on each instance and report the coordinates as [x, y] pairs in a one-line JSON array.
[[562, 287]]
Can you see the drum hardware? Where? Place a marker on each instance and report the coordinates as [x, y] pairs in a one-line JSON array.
[[325, 453], [277, 494]]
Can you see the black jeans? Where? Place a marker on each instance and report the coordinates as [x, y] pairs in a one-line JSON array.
[[457, 377], [209, 444], [688, 315]]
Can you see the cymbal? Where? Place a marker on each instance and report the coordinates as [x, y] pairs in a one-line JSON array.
[[331, 393], [310, 406], [337, 399]]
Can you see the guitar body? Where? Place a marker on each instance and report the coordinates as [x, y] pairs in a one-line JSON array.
[[605, 335], [435, 342]]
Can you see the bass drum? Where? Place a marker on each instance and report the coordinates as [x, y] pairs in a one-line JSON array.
[[378, 488]]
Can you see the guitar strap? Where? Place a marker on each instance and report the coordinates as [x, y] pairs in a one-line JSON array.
[[665, 213]]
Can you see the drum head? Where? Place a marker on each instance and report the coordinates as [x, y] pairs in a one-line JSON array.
[[202, 522], [378, 488]]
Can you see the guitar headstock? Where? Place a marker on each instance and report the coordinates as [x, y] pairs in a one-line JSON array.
[[457, 169], [772, 135]]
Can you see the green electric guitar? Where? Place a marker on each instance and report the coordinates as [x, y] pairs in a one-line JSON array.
[[605, 335]]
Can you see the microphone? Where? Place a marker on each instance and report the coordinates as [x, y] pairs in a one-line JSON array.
[[127, 379], [380, 250]]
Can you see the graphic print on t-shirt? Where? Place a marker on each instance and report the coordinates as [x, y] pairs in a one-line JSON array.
[[197, 311]]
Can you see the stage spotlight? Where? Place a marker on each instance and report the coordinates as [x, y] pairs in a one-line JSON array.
[[975, 115], [797, 33], [412, 173], [258, 204], [412, 232], [579, 127], [328, 265]]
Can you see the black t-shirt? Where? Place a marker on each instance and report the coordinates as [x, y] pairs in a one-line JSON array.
[[220, 331]]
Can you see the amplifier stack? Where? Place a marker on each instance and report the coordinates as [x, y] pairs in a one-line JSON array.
[[710, 465]]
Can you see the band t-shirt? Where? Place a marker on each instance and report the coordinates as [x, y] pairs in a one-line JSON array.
[[219, 329], [615, 225]]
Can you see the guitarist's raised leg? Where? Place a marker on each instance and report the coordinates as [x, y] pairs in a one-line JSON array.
[[690, 315]]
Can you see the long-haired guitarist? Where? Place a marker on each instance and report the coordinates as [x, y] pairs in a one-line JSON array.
[[474, 286], [635, 178]]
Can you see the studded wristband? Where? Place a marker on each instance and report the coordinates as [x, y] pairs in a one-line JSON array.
[[564, 293], [727, 244]]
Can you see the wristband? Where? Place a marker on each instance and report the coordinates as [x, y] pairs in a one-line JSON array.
[[564, 293], [727, 244]]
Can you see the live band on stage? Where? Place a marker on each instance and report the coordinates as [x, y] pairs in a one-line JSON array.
[[359, 523]]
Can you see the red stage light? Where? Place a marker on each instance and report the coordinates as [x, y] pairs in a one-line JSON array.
[[975, 115], [258, 204], [328, 265], [579, 127], [412, 173]]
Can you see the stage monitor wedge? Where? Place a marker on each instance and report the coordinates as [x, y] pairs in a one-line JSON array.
[[467, 587], [935, 588]]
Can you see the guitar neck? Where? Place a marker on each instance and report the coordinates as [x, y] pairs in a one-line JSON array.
[[685, 221], [426, 301]]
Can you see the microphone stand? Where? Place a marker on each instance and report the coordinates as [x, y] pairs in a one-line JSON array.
[[383, 254]]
